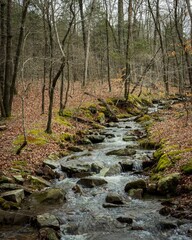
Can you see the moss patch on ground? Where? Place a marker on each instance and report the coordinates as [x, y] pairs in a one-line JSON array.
[[187, 168]]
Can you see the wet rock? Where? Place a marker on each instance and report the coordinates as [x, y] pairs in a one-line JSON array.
[[147, 163], [152, 188], [47, 220], [96, 167], [48, 234], [5, 179], [84, 141], [13, 218], [14, 195], [113, 170], [109, 135], [48, 196], [112, 205], [51, 163], [127, 138], [75, 149], [136, 193], [125, 219], [74, 166], [91, 181], [122, 152], [165, 211], [38, 182], [114, 198], [18, 178], [168, 184], [49, 173], [137, 184], [167, 225], [71, 228], [126, 165], [96, 138]]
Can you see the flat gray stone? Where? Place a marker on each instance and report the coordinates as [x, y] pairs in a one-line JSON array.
[[14, 195]]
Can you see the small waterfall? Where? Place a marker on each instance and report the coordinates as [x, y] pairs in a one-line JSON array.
[[137, 166]]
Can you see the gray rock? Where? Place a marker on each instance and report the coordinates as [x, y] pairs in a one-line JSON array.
[[96, 138], [73, 167], [122, 152], [167, 225], [48, 196], [125, 219], [127, 138], [13, 218], [14, 195], [51, 163], [140, 183], [126, 165], [48, 233], [114, 198], [18, 178], [113, 170], [112, 205], [38, 182], [91, 181], [47, 220], [136, 193], [75, 149]]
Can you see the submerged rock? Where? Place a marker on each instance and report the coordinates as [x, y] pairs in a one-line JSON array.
[[113, 170], [122, 152], [91, 181], [96, 138], [136, 193], [114, 198], [137, 184]]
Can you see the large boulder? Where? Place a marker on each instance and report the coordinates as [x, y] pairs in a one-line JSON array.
[[14, 195], [49, 196], [168, 184], [92, 181], [122, 152], [137, 184]]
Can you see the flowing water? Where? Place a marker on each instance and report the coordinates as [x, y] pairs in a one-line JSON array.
[[83, 216]]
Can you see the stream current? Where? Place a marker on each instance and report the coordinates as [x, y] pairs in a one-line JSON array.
[[83, 216]]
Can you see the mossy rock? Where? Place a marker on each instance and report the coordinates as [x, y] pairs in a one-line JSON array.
[[144, 118], [158, 153], [8, 205], [187, 168], [123, 115], [168, 184], [101, 117], [62, 121], [163, 163], [137, 184], [31, 139], [146, 102], [146, 143], [67, 137]]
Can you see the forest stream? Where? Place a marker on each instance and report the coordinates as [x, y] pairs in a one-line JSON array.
[[107, 211]]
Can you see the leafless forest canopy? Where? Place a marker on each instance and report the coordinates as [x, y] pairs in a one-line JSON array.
[[57, 42]]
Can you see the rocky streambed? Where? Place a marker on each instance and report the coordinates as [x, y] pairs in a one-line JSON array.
[[102, 192]]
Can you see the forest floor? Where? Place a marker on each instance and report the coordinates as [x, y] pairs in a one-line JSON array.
[[175, 128]]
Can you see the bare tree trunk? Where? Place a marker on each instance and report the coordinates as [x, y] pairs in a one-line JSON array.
[[2, 56], [120, 26], [128, 57], [18, 50], [88, 43], [8, 64], [107, 41]]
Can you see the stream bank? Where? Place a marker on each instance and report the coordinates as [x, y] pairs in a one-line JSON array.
[[103, 193]]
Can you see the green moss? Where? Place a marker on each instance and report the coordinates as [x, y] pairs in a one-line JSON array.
[[158, 153], [123, 115], [146, 143], [62, 121], [7, 205], [101, 117], [163, 163], [144, 118], [187, 168], [67, 137], [68, 113], [97, 126], [155, 176]]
